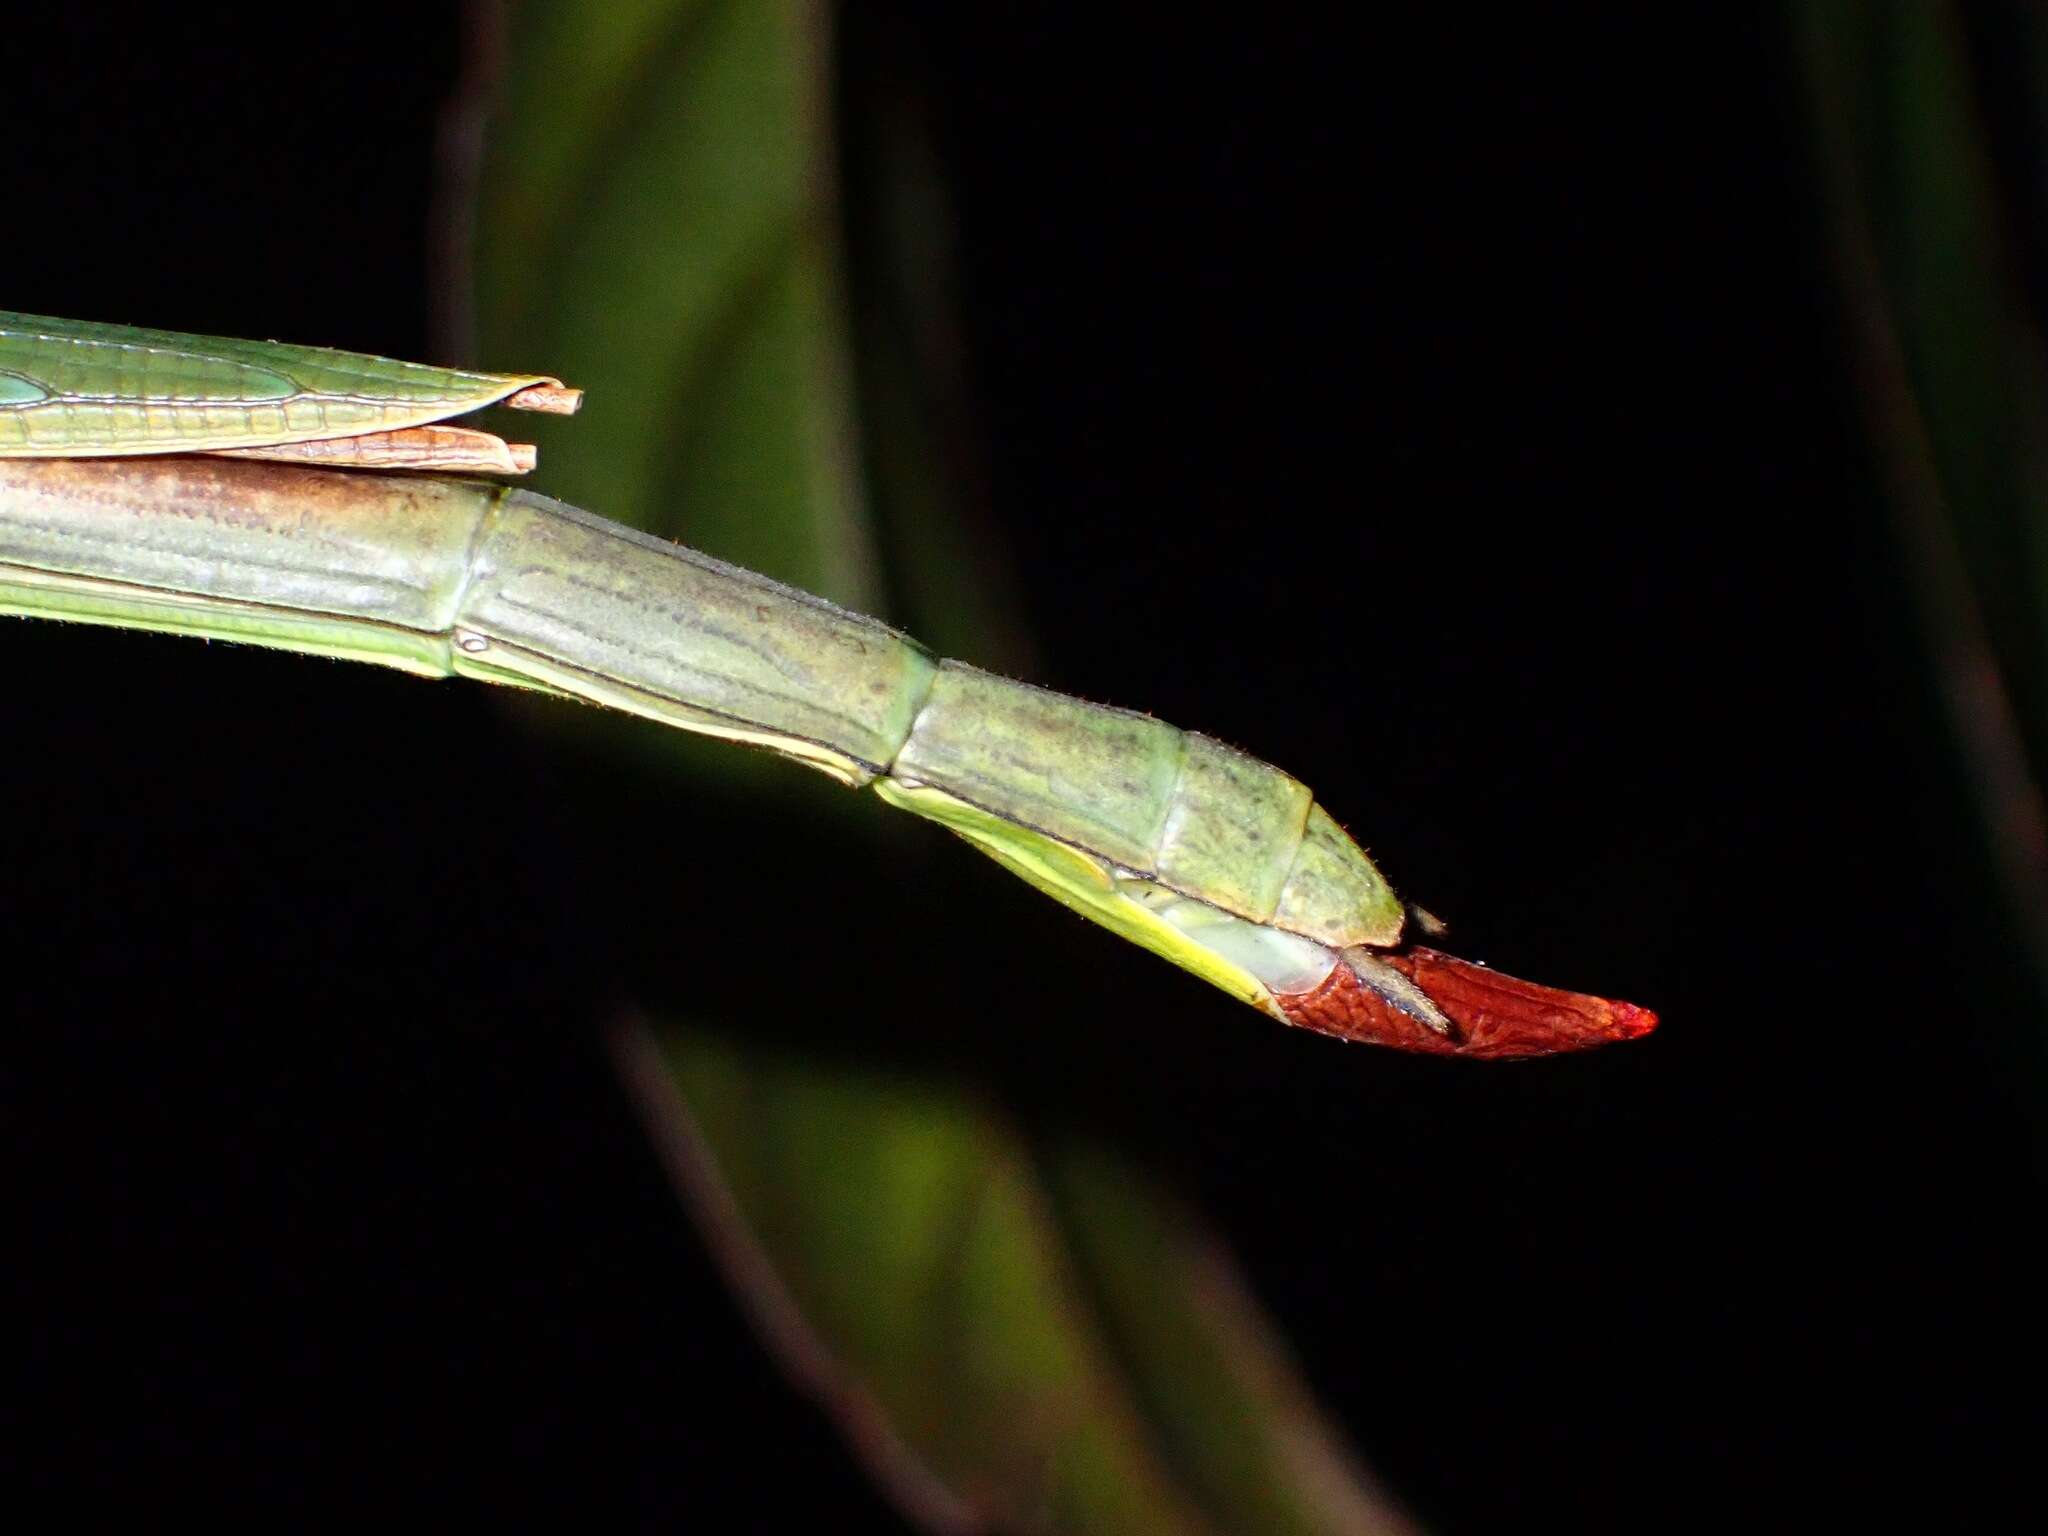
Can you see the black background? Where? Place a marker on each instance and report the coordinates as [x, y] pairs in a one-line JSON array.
[[1451, 410]]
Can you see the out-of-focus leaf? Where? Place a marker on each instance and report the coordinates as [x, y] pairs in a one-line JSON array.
[[660, 222], [1951, 371], [1214, 1382], [1015, 1335], [1013, 1342], [946, 563]]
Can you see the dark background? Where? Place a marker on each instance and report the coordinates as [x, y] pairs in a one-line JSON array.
[[1450, 410]]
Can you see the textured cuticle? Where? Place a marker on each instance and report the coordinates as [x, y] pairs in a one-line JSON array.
[[1495, 1016]]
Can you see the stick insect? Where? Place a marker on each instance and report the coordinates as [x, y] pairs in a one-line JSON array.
[[128, 497]]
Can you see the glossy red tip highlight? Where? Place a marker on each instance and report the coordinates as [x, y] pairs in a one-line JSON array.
[[1493, 1017]]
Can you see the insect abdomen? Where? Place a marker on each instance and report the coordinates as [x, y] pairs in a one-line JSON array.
[[1151, 799]]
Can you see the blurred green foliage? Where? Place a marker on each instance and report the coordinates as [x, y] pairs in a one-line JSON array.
[[1929, 136]]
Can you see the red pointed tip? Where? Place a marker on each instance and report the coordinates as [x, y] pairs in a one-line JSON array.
[[1493, 1017]]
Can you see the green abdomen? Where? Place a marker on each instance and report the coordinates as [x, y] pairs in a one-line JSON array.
[[1171, 805]]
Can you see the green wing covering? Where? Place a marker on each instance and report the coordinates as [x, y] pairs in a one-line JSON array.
[[78, 389]]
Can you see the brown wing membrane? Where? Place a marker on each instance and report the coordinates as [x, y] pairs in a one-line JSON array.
[[454, 450], [553, 397]]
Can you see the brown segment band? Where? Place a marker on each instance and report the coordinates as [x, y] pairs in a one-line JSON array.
[[553, 397], [1496, 1017]]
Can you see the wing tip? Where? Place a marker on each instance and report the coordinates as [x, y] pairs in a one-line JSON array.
[[550, 396]]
